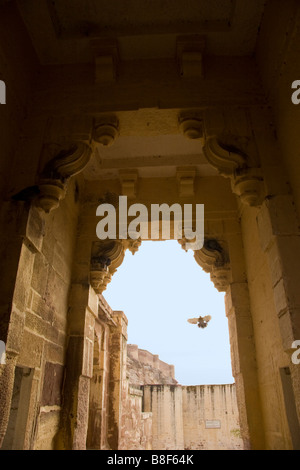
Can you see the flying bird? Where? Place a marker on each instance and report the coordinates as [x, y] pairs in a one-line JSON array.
[[202, 322]]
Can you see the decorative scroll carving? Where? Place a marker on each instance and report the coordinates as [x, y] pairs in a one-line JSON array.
[[224, 154], [107, 256], [132, 245], [66, 162], [247, 183], [214, 260], [63, 164], [106, 59], [224, 158]]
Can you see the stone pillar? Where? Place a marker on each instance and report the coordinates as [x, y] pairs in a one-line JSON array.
[[279, 232], [224, 260], [19, 243], [243, 361], [79, 368], [118, 358]]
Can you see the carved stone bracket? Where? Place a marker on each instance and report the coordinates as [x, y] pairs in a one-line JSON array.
[[246, 182], [191, 125], [213, 259], [106, 130], [107, 256], [132, 245], [63, 162], [248, 185], [129, 180], [224, 158], [186, 181], [100, 275]]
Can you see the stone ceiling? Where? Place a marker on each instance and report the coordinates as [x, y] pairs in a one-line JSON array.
[[62, 30]]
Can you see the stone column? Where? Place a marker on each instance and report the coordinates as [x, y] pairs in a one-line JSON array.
[[279, 232], [79, 368], [244, 367], [225, 263], [118, 358], [20, 242]]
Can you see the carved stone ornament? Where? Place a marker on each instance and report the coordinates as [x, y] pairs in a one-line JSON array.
[[51, 193], [224, 158], [132, 245], [106, 130], [64, 162], [213, 259], [107, 256], [191, 126], [246, 182], [248, 185], [100, 275]]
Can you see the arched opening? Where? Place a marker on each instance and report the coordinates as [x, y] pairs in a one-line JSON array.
[[159, 289]]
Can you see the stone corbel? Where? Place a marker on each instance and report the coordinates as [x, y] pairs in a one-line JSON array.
[[225, 159], [247, 183], [129, 181], [106, 130], [189, 53], [107, 256], [100, 275], [132, 245], [214, 260], [63, 162], [106, 56], [186, 181], [231, 162], [191, 124]]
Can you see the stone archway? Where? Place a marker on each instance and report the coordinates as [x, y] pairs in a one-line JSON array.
[[263, 198]]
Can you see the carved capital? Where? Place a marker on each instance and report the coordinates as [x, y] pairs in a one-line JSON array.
[[221, 278]]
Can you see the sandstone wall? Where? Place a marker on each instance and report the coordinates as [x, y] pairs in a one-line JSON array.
[[205, 407], [202, 417]]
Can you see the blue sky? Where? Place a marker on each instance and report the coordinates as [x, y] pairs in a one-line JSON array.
[[158, 289]]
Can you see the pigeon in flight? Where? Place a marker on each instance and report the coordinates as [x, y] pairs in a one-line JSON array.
[[202, 322]]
